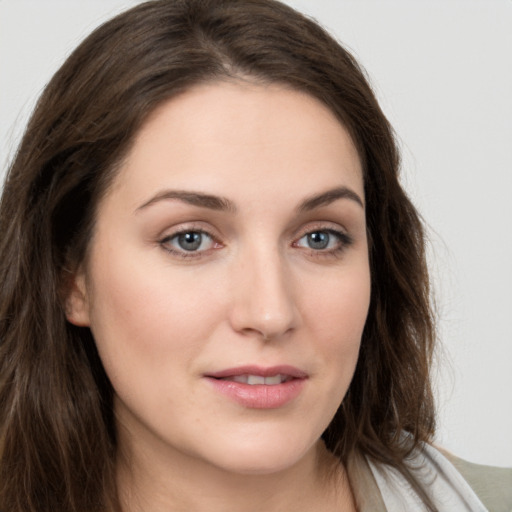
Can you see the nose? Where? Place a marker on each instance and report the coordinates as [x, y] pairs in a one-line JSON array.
[[263, 299]]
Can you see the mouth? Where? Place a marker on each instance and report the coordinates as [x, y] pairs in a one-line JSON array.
[[258, 387], [253, 380], [254, 375]]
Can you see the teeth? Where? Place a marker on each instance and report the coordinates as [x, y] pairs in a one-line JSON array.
[[276, 379], [258, 379], [255, 379]]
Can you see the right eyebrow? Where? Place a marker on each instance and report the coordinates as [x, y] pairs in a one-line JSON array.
[[209, 201]]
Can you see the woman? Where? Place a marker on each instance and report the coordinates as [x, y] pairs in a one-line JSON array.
[[214, 288]]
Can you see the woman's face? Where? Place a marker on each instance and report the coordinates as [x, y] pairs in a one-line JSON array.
[[228, 283]]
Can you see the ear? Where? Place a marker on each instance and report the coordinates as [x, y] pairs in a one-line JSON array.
[[76, 302]]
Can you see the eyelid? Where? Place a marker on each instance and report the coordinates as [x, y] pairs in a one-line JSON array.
[[345, 240], [183, 228], [321, 226], [188, 226]]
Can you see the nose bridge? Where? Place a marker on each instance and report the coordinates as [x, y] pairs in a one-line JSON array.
[[263, 298]]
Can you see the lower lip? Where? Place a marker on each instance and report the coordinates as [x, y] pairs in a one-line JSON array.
[[259, 396]]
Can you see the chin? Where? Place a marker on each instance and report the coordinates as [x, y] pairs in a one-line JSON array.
[[261, 456]]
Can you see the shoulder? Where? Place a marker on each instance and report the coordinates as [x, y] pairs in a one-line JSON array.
[[493, 485], [433, 476], [447, 482]]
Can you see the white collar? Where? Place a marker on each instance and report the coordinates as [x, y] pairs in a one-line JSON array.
[[435, 473]]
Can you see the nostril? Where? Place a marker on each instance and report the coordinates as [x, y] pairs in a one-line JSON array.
[[262, 302], [266, 335]]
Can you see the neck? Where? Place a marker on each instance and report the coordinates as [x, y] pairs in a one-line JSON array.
[[150, 483]]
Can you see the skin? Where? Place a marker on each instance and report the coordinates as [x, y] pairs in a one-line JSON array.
[[254, 292]]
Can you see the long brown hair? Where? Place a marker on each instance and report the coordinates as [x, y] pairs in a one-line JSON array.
[[57, 431]]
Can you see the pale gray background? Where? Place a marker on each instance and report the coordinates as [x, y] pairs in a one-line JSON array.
[[442, 71]]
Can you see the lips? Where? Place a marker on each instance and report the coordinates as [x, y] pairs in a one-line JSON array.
[[259, 387], [254, 380], [285, 370]]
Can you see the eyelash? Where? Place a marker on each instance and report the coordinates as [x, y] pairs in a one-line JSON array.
[[344, 241], [164, 243]]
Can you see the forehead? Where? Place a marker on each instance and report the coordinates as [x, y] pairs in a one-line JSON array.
[[219, 135]]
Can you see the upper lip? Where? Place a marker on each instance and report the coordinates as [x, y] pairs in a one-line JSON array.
[[268, 371]]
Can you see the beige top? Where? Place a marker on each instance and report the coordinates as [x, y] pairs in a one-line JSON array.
[[492, 485]]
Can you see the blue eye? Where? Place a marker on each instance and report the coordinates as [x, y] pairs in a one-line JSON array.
[[324, 240], [318, 240], [188, 242]]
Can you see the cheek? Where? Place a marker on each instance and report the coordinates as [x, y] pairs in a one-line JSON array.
[[144, 317], [339, 307], [337, 315]]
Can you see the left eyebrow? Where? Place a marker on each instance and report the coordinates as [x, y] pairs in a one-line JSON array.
[[328, 197]]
